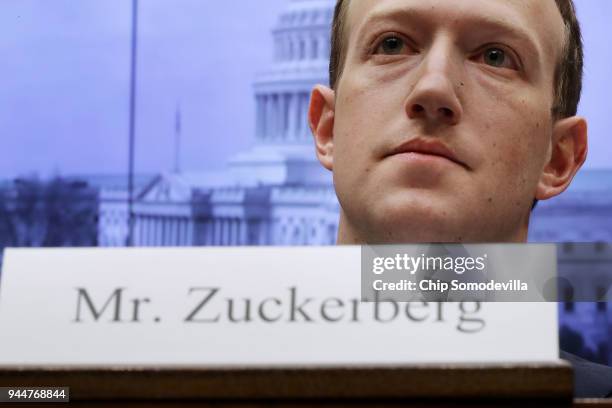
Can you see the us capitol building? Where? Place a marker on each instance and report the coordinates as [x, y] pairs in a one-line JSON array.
[[274, 194]]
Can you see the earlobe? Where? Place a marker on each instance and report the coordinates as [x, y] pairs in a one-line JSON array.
[[321, 120], [568, 153]]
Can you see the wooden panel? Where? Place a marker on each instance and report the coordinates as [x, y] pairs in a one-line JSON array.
[[333, 386]]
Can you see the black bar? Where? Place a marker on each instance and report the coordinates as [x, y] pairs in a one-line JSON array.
[[34, 394]]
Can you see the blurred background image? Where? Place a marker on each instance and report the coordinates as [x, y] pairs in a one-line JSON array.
[[183, 123]]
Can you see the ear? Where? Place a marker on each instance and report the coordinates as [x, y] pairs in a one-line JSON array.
[[321, 120], [568, 153]]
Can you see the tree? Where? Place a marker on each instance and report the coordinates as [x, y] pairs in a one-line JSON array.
[[53, 213]]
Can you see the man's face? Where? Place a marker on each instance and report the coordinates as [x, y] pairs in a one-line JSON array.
[[442, 119]]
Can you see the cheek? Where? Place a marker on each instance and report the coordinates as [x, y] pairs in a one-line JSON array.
[[515, 117], [363, 115], [350, 145], [517, 141]]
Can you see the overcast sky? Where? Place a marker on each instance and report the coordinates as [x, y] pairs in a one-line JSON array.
[[64, 82]]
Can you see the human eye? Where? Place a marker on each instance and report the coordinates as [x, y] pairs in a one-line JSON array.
[[498, 57], [392, 44]]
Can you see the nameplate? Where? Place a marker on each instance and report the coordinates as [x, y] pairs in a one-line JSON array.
[[244, 307]]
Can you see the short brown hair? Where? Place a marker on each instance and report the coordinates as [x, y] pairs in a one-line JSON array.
[[568, 73]]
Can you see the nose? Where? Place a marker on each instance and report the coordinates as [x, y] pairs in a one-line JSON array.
[[434, 96]]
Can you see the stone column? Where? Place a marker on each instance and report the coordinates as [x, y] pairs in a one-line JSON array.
[[270, 128], [209, 232], [137, 224], [286, 47], [163, 231], [291, 119], [149, 231], [278, 117], [152, 231], [305, 129], [216, 231], [323, 47], [170, 239], [219, 232], [281, 117], [180, 232], [257, 117], [264, 232], [226, 231], [308, 48], [285, 117], [141, 230], [173, 241], [278, 48], [186, 232], [230, 232], [157, 231], [244, 238], [301, 48], [290, 48], [235, 232], [146, 235], [298, 115], [222, 233], [169, 232], [261, 115]]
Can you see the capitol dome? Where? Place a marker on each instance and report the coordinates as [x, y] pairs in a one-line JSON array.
[[283, 151]]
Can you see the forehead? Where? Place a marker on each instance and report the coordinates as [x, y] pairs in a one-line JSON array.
[[539, 20]]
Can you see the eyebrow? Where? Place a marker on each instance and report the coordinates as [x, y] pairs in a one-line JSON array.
[[507, 26]]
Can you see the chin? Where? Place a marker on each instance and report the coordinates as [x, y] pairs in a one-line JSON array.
[[413, 223], [410, 216]]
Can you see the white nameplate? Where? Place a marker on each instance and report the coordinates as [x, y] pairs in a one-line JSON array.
[[241, 307]]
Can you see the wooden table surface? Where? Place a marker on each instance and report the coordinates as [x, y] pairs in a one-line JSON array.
[[526, 385]]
